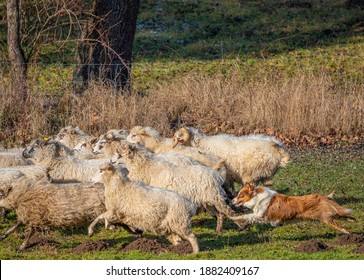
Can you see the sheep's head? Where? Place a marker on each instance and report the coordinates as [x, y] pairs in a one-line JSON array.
[[43, 150], [120, 134], [86, 144], [67, 134], [107, 170], [182, 136], [136, 135], [127, 151]]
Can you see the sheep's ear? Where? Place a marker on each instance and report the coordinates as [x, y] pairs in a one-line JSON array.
[[109, 136], [93, 140], [71, 132], [126, 147], [142, 132], [107, 167]]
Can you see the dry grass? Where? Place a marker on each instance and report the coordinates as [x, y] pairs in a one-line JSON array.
[[300, 110]]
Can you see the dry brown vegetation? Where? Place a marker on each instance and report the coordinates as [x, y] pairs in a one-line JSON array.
[[305, 110]]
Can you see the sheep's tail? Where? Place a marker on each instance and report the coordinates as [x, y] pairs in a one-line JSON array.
[[219, 165], [285, 156]]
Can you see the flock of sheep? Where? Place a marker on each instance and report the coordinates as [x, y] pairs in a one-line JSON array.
[[138, 179]]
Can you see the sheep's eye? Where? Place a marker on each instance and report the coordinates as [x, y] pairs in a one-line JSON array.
[[133, 135], [83, 145]]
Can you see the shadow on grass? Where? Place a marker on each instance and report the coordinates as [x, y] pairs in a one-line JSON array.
[[211, 30]]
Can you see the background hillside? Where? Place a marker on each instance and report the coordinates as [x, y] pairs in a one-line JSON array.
[[289, 68]]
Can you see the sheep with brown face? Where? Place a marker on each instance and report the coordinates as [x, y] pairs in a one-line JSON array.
[[43, 205], [200, 184], [160, 211], [249, 159]]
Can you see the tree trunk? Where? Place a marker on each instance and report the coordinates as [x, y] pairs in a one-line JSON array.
[[105, 48], [16, 55]]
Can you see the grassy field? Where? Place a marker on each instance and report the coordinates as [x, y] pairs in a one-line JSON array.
[[293, 69], [313, 171]]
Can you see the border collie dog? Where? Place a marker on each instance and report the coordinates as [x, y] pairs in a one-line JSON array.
[[271, 207]]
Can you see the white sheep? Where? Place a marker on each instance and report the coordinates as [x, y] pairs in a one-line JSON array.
[[249, 159], [144, 207], [71, 136], [42, 205], [153, 141], [202, 185], [109, 142], [8, 159], [63, 168], [36, 172]]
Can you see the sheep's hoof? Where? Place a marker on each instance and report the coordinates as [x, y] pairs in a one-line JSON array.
[[2, 237], [90, 232]]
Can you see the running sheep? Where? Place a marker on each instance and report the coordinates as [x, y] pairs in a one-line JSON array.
[[153, 141], [73, 135], [8, 159], [144, 207], [62, 168], [200, 184], [249, 159], [42, 205]]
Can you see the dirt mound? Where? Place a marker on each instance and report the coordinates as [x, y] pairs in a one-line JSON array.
[[37, 241], [92, 246], [144, 245], [154, 246], [183, 247], [312, 246], [359, 250], [348, 239]]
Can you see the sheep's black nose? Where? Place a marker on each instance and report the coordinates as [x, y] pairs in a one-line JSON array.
[[25, 154]]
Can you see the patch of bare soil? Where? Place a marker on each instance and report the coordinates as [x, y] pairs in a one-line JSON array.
[[359, 250], [348, 239], [312, 246], [144, 245], [184, 247], [92, 246], [36, 242], [154, 246]]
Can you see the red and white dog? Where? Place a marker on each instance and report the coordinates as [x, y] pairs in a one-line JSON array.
[[271, 207]]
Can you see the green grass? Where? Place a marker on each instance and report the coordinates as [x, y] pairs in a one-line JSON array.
[[310, 172]]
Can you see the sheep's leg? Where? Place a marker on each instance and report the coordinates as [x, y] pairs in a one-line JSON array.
[[193, 241], [105, 216], [219, 218], [3, 213], [174, 238], [10, 231], [25, 243], [191, 238], [224, 209], [137, 232]]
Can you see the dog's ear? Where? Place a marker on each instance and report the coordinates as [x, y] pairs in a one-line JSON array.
[[249, 187]]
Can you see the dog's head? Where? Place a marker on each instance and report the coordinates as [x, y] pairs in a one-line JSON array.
[[248, 196]]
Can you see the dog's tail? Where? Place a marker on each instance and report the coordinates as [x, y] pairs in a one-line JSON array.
[[342, 211]]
